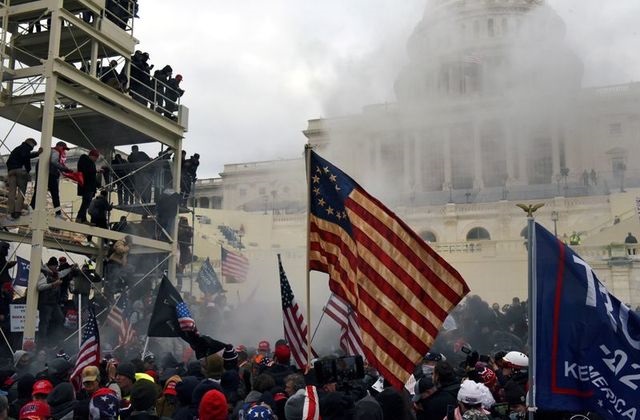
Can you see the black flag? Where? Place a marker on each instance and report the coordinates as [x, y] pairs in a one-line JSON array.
[[171, 318], [164, 319]]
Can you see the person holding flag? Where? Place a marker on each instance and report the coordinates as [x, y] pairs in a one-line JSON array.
[[171, 318]]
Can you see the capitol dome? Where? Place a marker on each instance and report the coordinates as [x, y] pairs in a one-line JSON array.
[[487, 47]]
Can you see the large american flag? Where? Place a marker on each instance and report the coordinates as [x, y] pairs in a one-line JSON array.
[[235, 266], [340, 311], [295, 327], [89, 354], [400, 289], [119, 318]]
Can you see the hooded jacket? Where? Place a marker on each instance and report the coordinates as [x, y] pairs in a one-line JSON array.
[[62, 401]]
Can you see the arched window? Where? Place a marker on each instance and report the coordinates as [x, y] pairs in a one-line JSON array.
[[428, 236], [478, 234]]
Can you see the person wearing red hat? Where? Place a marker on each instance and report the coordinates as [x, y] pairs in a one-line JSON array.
[[56, 167], [282, 366], [172, 93], [87, 167], [35, 410], [41, 389], [213, 406]]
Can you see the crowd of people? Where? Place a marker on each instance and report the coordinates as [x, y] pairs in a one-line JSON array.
[[160, 89], [477, 376]]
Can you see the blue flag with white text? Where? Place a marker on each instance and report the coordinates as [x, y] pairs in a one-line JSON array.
[[207, 279], [587, 341], [22, 272]]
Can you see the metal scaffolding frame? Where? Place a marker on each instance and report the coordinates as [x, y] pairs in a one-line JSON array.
[[43, 89]]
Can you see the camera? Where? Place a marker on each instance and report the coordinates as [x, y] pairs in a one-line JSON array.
[[339, 370]]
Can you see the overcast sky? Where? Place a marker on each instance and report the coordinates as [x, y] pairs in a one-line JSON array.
[[255, 71]]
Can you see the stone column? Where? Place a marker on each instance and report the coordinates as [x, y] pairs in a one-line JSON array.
[[521, 138], [446, 132], [555, 148], [507, 135], [478, 182]]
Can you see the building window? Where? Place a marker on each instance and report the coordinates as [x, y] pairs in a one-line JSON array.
[[505, 26], [478, 234], [428, 236], [615, 129], [491, 28], [540, 162], [204, 202]]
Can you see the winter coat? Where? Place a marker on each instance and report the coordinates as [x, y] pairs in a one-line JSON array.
[[20, 157], [435, 407], [88, 169]]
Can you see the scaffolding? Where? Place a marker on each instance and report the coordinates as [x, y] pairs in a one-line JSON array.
[[54, 55]]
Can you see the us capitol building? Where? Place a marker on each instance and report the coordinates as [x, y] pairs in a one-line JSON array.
[[490, 112]]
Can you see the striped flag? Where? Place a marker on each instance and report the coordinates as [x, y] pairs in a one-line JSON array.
[[340, 311], [119, 318], [185, 320], [400, 289], [295, 327], [89, 354], [235, 266]]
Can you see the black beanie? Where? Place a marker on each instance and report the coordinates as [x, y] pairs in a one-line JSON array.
[[144, 394], [128, 370], [230, 357]]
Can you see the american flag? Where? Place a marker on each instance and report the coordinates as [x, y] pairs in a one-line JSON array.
[[400, 289], [185, 320], [295, 327], [89, 354], [235, 266], [119, 318], [340, 311]]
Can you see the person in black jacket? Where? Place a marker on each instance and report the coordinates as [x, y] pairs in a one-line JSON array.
[[99, 209], [141, 177], [87, 166], [18, 167], [436, 406], [173, 92]]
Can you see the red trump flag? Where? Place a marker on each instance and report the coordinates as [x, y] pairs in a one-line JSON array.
[[400, 288]]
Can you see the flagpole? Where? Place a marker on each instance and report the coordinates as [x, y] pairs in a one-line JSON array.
[[318, 324], [7, 341], [146, 346], [532, 303], [307, 152], [79, 320]]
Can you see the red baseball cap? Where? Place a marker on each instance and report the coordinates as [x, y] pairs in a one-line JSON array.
[[35, 410], [171, 389], [42, 387]]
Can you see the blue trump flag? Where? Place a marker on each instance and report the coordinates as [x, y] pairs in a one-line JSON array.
[[22, 272], [587, 351], [207, 279]]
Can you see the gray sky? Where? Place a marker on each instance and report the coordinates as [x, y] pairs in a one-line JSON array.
[[255, 71]]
